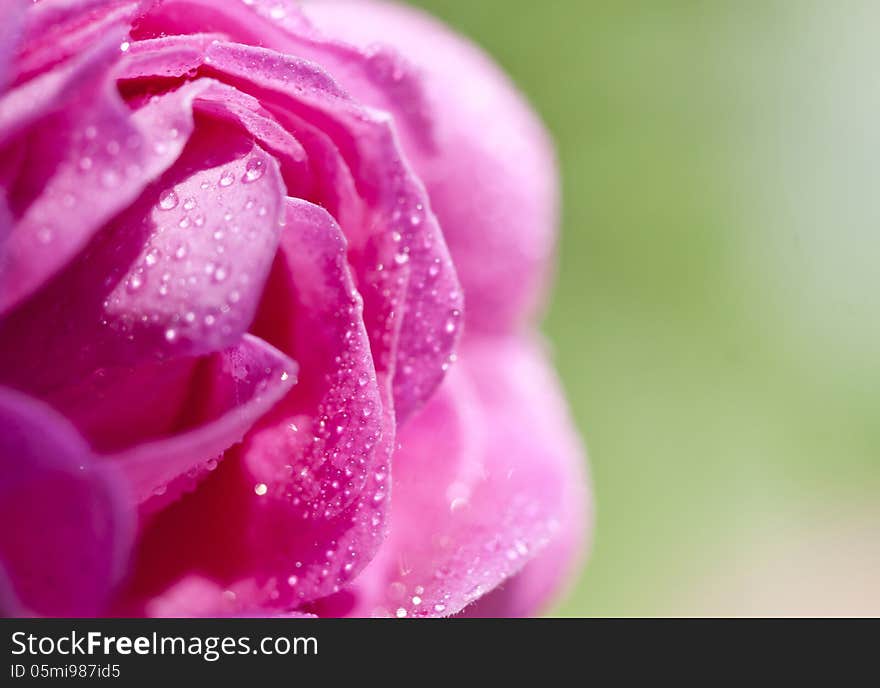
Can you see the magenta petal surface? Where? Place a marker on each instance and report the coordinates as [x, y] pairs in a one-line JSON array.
[[11, 27], [299, 508], [489, 475], [67, 533], [489, 171], [396, 247], [82, 164], [195, 596], [229, 392], [180, 273]]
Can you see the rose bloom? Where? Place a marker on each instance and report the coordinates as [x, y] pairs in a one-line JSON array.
[[268, 279]]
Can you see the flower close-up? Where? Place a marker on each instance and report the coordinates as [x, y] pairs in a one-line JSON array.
[[270, 283]]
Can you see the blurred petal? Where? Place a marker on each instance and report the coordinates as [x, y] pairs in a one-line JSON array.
[[545, 579], [490, 172], [56, 30], [67, 534], [180, 273], [489, 475], [299, 508], [11, 24]]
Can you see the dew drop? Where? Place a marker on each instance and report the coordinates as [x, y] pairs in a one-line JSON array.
[[170, 334], [253, 171], [227, 178], [168, 200], [260, 489]]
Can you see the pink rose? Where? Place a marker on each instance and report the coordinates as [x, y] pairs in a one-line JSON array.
[[236, 239]]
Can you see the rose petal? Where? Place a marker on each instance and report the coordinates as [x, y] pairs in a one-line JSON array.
[[11, 26], [116, 408], [179, 274], [488, 475], [543, 580], [408, 245], [85, 163], [71, 533], [55, 30], [195, 597], [231, 391], [402, 241], [490, 173], [299, 508]]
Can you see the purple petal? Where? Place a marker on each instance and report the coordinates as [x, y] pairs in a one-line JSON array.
[[180, 273], [71, 533], [82, 165], [55, 30], [230, 392], [11, 25]]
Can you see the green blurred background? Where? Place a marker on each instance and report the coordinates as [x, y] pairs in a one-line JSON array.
[[715, 319]]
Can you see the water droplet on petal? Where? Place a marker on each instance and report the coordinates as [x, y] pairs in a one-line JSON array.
[[253, 171], [168, 200], [227, 178]]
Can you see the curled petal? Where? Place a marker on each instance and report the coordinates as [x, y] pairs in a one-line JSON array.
[[118, 407], [82, 165], [71, 535], [490, 171], [543, 580], [56, 30], [489, 475], [299, 508], [180, 273], [229, 392], [399, 242], [403, 242]]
